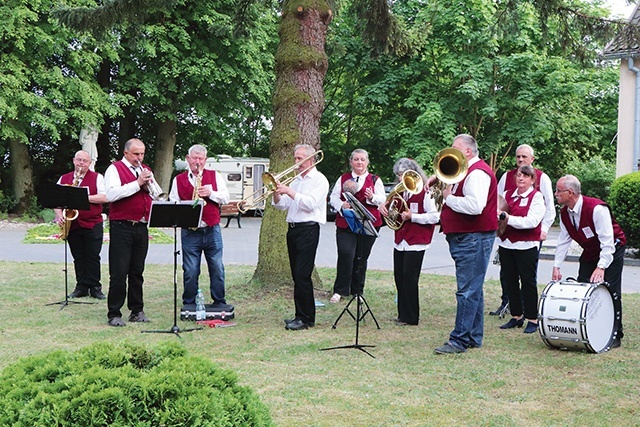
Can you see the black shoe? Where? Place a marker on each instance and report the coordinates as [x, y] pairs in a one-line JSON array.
[[78, 293], [500, 311], [449, 348], [287, 321], [616, 343], [530, 328], [219, 306], [513, 323], [138, 317], [97, 294], [296, 325]]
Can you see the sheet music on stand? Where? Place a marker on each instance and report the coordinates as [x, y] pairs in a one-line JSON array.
[[358, 218]]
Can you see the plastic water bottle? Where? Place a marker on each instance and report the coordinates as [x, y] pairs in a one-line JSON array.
[[201, 313]]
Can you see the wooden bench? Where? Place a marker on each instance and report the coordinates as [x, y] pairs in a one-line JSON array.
[[230, 211]]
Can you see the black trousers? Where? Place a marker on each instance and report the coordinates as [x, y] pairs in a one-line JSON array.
[[612, 275], [505, 293], [302, 244], [519, 275], [128, 248], [85, 245], [353, 253], [406, 272]]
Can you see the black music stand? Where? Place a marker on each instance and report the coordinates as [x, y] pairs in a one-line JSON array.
[[66, 197], [183, 214], [359, 221]]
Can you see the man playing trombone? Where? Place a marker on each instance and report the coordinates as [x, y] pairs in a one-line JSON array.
[[305, 202], [195, 184]]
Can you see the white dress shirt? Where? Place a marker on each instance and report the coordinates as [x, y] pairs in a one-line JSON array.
[[475, 192], [378, 198], [546, 188], [220, 196], [114, 187], [533, 218], [310, 202], [431, 216]]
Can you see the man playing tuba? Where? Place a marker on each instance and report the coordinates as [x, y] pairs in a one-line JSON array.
[[84, 233]]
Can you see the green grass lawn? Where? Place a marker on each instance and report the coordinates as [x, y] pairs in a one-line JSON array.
[[513, 380]]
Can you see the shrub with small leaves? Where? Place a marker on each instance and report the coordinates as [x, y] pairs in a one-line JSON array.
[[595, 175], [625, 205], [125, 385]]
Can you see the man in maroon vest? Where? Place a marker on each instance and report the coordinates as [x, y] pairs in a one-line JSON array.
[[525, 157], [589, 222], [85, 232], [129, 205], [469, 219], [208, 185]]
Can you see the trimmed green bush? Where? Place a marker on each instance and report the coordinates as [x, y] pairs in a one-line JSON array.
[[126, 385], [625, 205], [595, 175]]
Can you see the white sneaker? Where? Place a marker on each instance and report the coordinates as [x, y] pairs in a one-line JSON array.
[[335, 299]]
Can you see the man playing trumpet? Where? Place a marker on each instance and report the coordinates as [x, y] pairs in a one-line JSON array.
[[85, 232], [199, 183]]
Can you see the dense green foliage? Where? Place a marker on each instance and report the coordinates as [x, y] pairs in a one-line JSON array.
[[624, 200], [125, 385], [595, 175]]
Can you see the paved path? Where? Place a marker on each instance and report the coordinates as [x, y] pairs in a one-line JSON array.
[[241, 248]]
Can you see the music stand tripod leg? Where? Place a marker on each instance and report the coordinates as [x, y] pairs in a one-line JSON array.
[[66, 301], [359, 315]]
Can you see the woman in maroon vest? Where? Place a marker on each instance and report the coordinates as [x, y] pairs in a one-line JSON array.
[[518, 249], [354, 249], [410, 242]]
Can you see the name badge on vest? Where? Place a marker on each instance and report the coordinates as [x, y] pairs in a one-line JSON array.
[[588, 232], [524, 201], [413, 207]]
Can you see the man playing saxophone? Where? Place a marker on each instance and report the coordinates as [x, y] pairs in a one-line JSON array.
[[209, 186], [85, 232]]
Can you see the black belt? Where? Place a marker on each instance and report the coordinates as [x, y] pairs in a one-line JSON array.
[[301, 224], [128, 222]]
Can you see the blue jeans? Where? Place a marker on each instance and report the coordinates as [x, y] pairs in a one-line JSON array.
[[194, 243], [471, 253]]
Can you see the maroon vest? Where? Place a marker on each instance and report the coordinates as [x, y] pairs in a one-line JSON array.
[[591, 245], [412, 232], [455, 222], [515, 209], [369, 182], [211, 211], [93, 216], [510, 180], [134, 207]]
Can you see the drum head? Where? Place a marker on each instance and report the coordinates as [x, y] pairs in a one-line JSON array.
[[600, 319]]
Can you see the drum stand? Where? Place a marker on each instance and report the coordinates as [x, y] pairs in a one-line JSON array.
[[66, 301], [360, 314]]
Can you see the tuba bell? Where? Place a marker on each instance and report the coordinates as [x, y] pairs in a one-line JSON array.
[[410, 182], [450, 166]]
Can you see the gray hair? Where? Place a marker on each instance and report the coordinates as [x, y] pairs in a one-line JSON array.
[[528, 147], [572, 183], [130, 142], [404, 164], [309, 150], [469, 141], [359, 151], [197, 148]]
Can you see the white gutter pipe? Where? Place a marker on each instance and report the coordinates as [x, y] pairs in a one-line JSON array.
[[636, 124]]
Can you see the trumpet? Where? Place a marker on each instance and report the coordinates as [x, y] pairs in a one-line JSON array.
[[272, 181], [410, 182], [450, 167], [154, 189]]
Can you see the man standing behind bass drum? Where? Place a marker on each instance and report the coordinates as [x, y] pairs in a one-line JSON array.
[[129, 206], [589, 222], [354, 249], [306, 204], [410, 242], [469, 221], [86, 231], [208, 185]]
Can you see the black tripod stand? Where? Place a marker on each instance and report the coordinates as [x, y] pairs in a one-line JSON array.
[[66, 197], [359, 315], [170, 214]]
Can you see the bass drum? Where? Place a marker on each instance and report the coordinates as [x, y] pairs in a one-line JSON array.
[[577, 316]]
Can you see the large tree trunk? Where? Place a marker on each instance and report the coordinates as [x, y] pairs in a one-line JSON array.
[[298, 101], [163, 156], [22, 173]]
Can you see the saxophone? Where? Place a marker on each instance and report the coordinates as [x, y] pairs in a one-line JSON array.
[[196, 185], [69, 215]]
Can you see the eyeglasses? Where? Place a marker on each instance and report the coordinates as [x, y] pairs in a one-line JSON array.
[[561, 191], [82, 160]]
